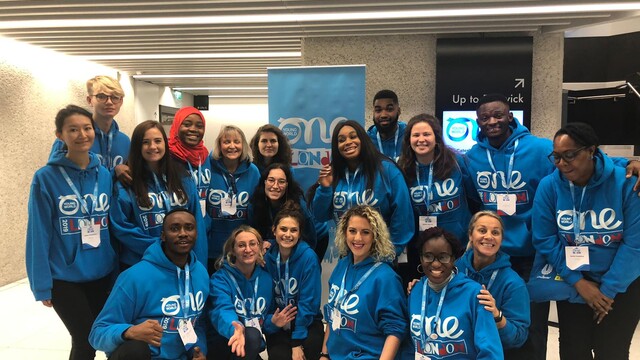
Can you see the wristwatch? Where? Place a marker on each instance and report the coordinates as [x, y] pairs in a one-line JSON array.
[[498, 318], [325, 355]]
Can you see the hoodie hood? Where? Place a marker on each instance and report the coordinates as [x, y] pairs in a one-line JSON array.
[[242, 167], [296, 253], [517, 131], [465, 263], [59, 158], [603, 169], [156, 256]]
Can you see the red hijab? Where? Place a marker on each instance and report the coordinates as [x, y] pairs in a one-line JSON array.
[[194, 155]]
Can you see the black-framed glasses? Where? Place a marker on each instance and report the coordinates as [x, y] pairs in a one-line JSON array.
[[272, 181], [443, 258], [103, 98], [568, 156]]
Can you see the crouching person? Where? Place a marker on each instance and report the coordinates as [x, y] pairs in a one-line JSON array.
[[155, 308]]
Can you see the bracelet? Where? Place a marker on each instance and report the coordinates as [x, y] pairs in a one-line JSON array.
[[325, 355], [498, 318]]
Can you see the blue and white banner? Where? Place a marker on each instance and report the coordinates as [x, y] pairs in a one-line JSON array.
[[306, 103]]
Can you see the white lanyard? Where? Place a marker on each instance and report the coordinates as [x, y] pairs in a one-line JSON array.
[[163, 193], [395, 143], [196, 177], [106, 159], [491, 280], [341, 299], [427, 200], [184, 296], [81, 199], [348, 175], [436, 319], [255, 293], [576, 218], [285, 287], [511, 160]]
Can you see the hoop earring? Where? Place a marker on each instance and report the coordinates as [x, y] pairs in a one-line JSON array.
[[419, 269]]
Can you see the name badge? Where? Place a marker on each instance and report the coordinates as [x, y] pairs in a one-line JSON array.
[[90, 235], [254, 323], [403, 258], [577, 257], [507, 203], [335, 319], [228, 205], [427, 222], [419, 356], [203, 207], [187, 333]]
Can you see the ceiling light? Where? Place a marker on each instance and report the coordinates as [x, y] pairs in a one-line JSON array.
[[238, 96], [193, 56], [220, 88], [307, 17], [189, 76]]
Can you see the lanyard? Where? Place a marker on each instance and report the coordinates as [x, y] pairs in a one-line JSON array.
[[510, 169], [106, 158], [348, 175], [576, 220], [231, 188], [163, 194], [491, 280], [81, 199], [423, 311], [285, 287], [196, 177], [341, 299], [255, 293], [184, 296], [427, 200], [395, 143]]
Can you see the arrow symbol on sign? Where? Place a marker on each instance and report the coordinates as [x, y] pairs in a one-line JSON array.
[[520, 83]]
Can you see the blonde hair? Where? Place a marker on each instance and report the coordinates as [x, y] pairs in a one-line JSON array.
[[382, 248], [226, 130], [227, 249], [478, 215], [104, 82]]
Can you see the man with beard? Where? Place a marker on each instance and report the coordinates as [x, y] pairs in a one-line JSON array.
[[387, 131]]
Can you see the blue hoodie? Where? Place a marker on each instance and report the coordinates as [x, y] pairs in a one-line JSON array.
[[465, 329], [110, 159], [610, 213], [390, 196], [227, 306], [530, 165], [448, 199], [377, 309], [391, 147], [150, 290], [136, 227], [54, 247], [309, 234], [304, 289], [239, 185], [510, 293]]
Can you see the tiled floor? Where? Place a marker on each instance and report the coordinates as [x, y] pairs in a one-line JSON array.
[[32, 331]]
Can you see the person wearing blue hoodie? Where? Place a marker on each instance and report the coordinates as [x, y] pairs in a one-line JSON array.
[[105, 96], [296, 273], [69, 257], [366, 311], [386, 132], [360, 175], [242, 299], [504, 294], [158, 185], [233, 180], [156, 309], [446, 320], [586, 225]]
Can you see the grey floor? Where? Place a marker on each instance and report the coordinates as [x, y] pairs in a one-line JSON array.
[[32, 331]]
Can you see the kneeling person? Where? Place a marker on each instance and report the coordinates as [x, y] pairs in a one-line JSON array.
[[155, 307]]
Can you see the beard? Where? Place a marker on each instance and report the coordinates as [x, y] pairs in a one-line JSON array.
[[388, 127]]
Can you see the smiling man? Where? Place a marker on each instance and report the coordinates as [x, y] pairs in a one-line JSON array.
[[387, 131], [155, 308]]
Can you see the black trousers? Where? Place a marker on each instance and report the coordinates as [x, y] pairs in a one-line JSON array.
[[611, 339], [78, 305], [132, 350], [279, 344], [218, 348]]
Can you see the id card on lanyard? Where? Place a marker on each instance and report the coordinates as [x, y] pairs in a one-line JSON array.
[[506, 203], [426, 221], [228, 203], [336, 317], [250, 320], [577, 257], [423, 318], [185, 326], [90, 232], [196, 179]]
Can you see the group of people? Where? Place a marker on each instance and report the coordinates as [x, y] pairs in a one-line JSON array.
[[154, 247]]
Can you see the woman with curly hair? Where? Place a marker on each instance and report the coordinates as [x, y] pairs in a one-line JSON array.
[[366, 312], [269, 146]]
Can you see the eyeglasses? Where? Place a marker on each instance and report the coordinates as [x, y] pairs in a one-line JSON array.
[[103, 98], [442, 258], [568, 156], [271, 181]]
